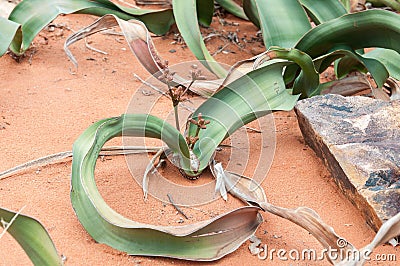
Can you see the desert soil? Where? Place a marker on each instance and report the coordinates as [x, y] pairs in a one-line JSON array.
[[46, 104]]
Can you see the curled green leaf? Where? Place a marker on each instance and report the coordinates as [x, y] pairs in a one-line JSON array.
[[207, 240]]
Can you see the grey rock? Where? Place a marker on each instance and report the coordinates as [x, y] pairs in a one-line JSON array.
[[358, 139]]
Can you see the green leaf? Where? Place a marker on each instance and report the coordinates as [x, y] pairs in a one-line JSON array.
[[34, 15], [207, 240], [386, 57], [322, 11], [389, 58], [7, 33], [205, 12], [250, 9], [394, 4], [307, 82], [376, 68], [238, 103], [371, 28], [32, 237], [283, 22], [185, 13], [232, 7]]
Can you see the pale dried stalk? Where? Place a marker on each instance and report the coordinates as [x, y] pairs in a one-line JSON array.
[[252, 193], [152, 168], [57, 157]]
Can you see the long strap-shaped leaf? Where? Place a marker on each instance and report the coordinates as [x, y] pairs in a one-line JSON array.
[[387, 57], [34, 15], [32, 237], [382, 28], [323, 11], [208, 240], [232, 7], [8, 30], [185, 12], [238, 103], [375, 67], [250, 9], [282, 22]]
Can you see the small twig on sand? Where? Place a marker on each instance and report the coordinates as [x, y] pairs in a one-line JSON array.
[[220, 49], [190, 109], [94, 49], [150, 85], [176, 206], [253, 129]]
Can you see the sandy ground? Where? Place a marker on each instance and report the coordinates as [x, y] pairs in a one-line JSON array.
[[45, 106]]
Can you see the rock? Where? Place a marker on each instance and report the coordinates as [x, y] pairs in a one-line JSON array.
[[358, 139]]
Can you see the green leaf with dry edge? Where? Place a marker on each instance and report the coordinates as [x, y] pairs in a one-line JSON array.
[[32, 237], [371, 28], [34, 15], [322, 11], [250, 9], [375, 67], [387, 57], [232, 7], [141, 45], [207, 240], [185, 13], [282, 22], [238, 103]]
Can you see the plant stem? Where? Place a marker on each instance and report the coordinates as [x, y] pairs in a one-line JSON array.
[[188, 87], [176, 117]]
